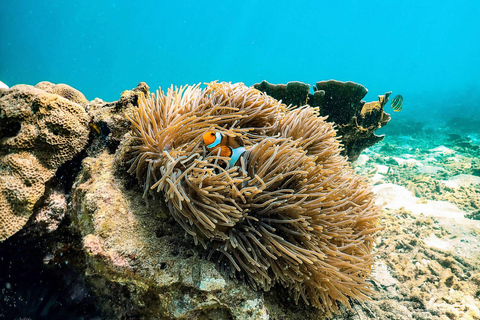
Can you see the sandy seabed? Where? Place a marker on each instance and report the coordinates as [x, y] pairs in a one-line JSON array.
[[428, 256]]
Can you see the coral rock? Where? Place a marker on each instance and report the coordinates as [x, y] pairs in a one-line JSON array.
[[39, 131], [109, 122], [52, 212], [63, 90], [140, 263]]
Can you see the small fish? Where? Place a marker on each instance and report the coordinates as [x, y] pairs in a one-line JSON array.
[[397, 103], [229, 147]]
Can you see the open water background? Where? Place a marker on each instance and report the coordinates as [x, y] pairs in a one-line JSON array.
[[428, 51]]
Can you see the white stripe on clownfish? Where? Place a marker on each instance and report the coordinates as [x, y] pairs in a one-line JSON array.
[[218, 140], [236, 154]]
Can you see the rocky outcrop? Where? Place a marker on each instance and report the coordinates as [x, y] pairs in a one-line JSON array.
[[143, 265]]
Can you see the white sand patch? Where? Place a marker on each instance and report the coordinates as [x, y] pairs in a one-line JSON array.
[[397, 196], [429, 160], [461, 180], [430, 169], [435, 242], [462, 233], [378, 178], [3, 85], [381, 169], [382, 275], [407, 162], [362, 160], [442, 149]]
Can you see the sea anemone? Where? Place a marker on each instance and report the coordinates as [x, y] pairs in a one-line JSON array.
[[292, 212]]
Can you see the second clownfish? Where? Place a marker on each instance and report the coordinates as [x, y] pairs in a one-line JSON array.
[[229, 147]]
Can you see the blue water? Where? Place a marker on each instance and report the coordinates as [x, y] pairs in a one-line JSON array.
[[429, 51]]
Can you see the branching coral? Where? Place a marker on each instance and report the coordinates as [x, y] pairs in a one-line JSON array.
[[293, 212]]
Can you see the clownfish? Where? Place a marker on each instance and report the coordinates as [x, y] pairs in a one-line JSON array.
[[230, 147]]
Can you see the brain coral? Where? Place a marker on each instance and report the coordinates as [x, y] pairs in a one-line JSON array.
[[63, 90], [292, 213], [39, 131]]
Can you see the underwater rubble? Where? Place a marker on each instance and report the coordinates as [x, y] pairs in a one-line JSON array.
[[123, 255], [430, 185]]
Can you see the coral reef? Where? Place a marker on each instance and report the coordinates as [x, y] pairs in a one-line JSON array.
[[446, 172], [293, 213], [421, 280], [39, 132], [126, 256], [293, 93], [109, 123], [355, 120]]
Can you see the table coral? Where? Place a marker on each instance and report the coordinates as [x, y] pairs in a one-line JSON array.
[[39, 132], [293, 213], [354, 120]]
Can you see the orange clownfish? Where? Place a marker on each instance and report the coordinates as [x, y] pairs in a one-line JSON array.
[[229, 146]]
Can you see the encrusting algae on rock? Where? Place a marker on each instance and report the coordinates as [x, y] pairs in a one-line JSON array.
[[292, 212]]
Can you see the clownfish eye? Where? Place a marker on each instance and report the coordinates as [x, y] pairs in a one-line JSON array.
[[212, 134]]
